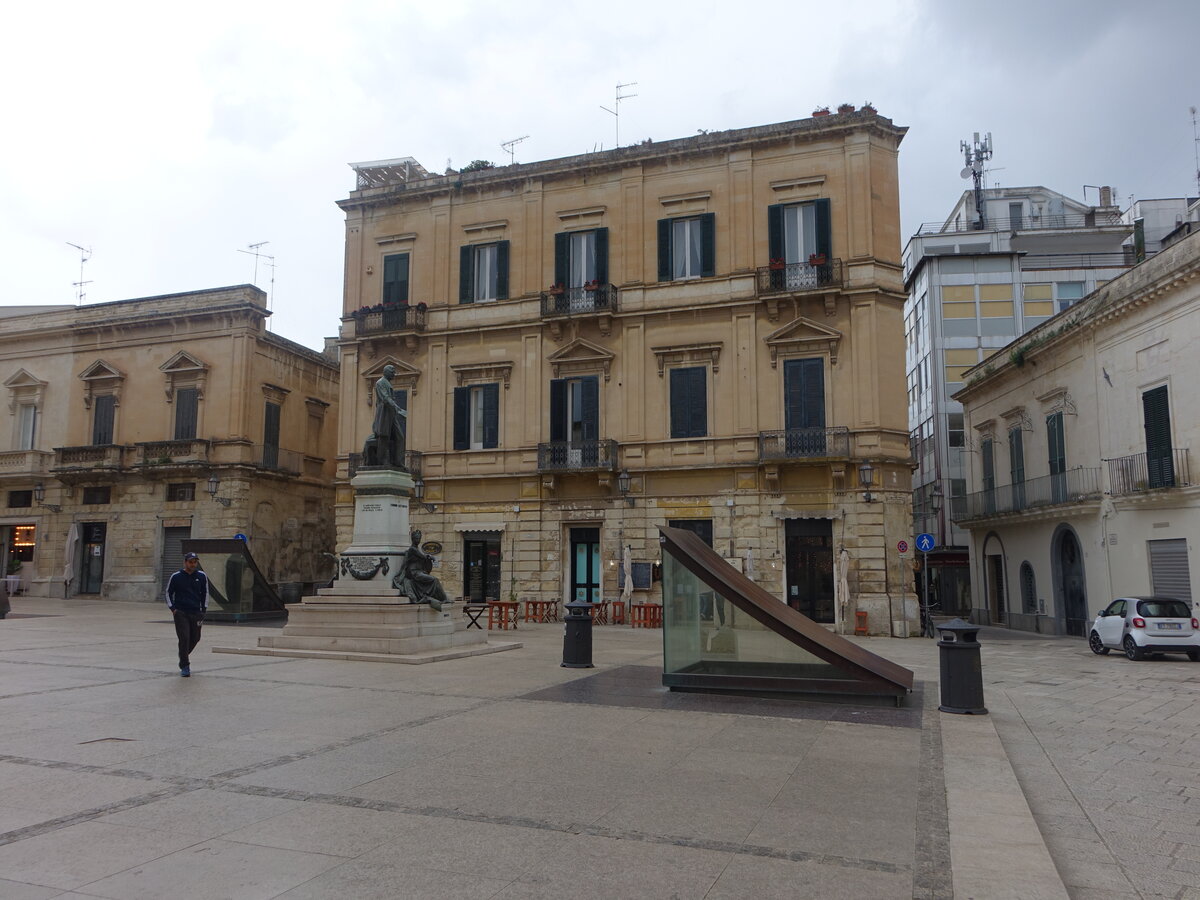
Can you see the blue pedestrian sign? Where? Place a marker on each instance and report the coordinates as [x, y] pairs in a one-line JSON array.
[[925, 542]]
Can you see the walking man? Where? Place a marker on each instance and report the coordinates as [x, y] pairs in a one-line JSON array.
[[187, 598]]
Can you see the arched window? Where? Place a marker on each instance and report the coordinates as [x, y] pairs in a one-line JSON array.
[[1029, 603]]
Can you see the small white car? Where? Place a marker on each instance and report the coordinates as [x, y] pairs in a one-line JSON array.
[[1146, 625]]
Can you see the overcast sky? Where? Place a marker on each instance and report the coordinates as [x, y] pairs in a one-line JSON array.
[[166, 137]]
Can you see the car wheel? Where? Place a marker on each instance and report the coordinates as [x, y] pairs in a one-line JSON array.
[[1132, 650], [1096, 644], [1194, 655]]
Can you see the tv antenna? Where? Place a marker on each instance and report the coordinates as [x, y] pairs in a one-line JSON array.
[[976, 154], [616, 110], [508, 147], [255, 250], [1196, 145], [85, 253]]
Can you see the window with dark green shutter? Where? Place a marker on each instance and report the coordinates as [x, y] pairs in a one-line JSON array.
[[687, 247], [581, 258], [104, 411], [477, 417], [187, 404], [987, 455], [270, 458], [804, 407], [395, 278], [1057, 456], [689, 402], [1156, 411], [1016, 466], [483, 272]]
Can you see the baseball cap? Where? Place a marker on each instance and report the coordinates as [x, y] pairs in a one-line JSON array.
[[190, 556]]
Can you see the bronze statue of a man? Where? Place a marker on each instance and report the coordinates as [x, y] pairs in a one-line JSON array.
[[390, 428]]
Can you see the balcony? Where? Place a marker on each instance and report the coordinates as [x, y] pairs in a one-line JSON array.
[[394, 320], [412, 462], [1140, 472], [24, 463], [1073, 486], [286, 462], [577, 456], [797, 278], [72, 464], [172, 454], [1095, 219], [598, 300], [804, 443]]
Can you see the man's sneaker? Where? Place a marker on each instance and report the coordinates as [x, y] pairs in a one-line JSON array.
[[186, 672]]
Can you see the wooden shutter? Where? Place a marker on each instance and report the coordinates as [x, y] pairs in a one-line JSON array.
[[804, 393], [708, 245], [664, 249], [466, 274], [558, 409], [689, 406], [186, 406], [1057, 446], [491, 415], [462, 418], [824, 228], [775, 232], [502, 270], [602, 256], [103, 415], [987, 449], [395, 278], [1016, 455], [590, 399], [562, 257], [679, 403], [271, 435], [1156, 410]]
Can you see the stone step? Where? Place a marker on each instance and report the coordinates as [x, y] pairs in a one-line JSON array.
[[411, 659]]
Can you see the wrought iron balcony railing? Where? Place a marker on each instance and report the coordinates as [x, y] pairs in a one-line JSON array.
[[578, 301], [1143, 472], [1041, 222], [577, 456], [396, 319], [804, 443], [798, 277], [412, 462], [160, 453], [1072, 486]]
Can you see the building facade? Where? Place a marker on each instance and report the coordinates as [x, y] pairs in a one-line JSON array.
[[1092, 415], [999, 265], [704, 332], [137, 424]]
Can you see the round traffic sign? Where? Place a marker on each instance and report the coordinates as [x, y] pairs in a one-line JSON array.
[[925, 542], [902, 546]]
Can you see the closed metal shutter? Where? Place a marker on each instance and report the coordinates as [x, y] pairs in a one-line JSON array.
[[1169, 573], [172, 555]]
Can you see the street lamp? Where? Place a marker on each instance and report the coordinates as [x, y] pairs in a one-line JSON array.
[[866, 477], [39, 494], [418, 492], [214, 485], [623, 484]]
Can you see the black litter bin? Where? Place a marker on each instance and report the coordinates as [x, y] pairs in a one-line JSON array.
[[577, 635], [962, 673]]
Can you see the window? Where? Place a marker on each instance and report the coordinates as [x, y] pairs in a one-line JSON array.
[[702, 528], [1068, 293], [477, 417], [97, 496], [954, 428], [798, 231], [395, 278], [187, 403], [104, 410], [27, 415], [1029, 603], [1016, 464], [987, 451], [686, 247], [580, 258], [1057, 457], [575, 418], [22, 542], [20, 499], [804, 407], [483, 272], [181, 491], [689, 402], [271, 413], [1016, 215], [1160, 463]]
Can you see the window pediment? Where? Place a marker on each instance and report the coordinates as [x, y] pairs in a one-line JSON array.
[[100, 378], [581, 357], [1057, 400], [405, 379], [680, 354], [24, 388], [275, 393], [480, 373], [184, 371], [803, 335]]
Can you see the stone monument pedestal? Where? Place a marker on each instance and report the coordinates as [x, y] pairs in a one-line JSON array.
[[362, 616]]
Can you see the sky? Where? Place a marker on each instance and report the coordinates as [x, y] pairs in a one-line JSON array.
[[167, 139]]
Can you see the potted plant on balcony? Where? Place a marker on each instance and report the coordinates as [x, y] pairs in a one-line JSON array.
[[820, 111], [557, 289], [844, 108], [592, 285], [817, 259], [777, 263], [422, 306]]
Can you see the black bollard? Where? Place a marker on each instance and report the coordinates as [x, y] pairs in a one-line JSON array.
[[962, 673], [577, 636]]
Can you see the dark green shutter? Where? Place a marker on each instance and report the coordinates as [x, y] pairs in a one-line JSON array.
[[271, 435], [558, 409], [664, 249], [462, 418], [775, 232], [824, 229], [562, 257], [1160, 465], [466, 274], [186, 405], [602, 256], [698, 416], [679, 403], [1016, 455], [989, 470], [689, 405], [502, 270], [103, 416], [491, 415], [708, 245], [1056, 443], [590, 399], [804, 389], [395, 278]]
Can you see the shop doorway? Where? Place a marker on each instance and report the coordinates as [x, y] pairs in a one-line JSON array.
[[809, 561], [91, 565], [481, 566], [585, 565], [1070, 588]]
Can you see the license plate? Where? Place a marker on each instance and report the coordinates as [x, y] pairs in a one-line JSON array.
[[1169, 626]]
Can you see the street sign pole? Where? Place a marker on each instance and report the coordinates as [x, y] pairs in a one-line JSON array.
[[925, 592]]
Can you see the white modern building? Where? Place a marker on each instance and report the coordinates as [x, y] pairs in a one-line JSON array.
[[1004, 261]]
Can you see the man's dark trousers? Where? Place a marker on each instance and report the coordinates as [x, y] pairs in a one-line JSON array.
[[187, 628]]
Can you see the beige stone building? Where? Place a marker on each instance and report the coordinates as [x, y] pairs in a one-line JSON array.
[[705, 332], [123, 416]]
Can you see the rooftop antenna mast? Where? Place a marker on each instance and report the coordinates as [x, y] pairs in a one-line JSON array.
[[255, 250], [1196, 144], [616, 110], [85, 253], [976, 154], [508, 147]]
